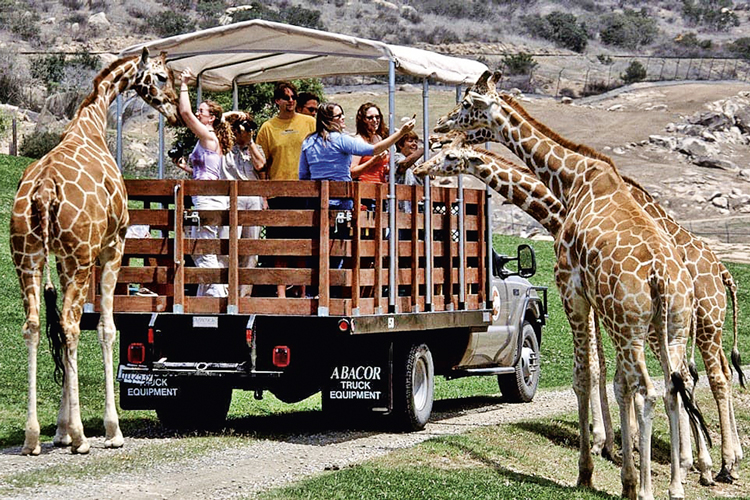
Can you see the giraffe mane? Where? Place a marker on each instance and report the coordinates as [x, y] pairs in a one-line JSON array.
[[503, 160], [581, 149]]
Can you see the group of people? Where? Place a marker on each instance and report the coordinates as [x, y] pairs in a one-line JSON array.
[[306, 139]]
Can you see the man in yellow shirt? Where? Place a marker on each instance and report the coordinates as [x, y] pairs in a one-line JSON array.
[[281, 137], [281, 140]]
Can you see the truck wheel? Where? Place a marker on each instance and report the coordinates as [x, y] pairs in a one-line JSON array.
[[201, 404], [520, 387], [413, 387]]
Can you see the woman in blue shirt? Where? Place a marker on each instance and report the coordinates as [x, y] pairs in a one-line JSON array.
[[327, 153]]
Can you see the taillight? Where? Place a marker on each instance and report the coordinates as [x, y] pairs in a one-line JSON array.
[[281, 355], [344, 325], [151, 336], [249, 337], [136, 353]]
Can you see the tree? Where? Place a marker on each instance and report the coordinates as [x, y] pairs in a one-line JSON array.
[[629, 29]]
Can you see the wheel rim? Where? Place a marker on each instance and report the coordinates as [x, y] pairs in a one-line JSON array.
[[529, 363], [419, 383]]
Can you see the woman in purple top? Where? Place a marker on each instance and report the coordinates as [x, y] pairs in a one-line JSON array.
[[327, 153], [214, 137]]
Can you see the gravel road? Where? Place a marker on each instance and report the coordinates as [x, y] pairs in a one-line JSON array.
[[269, 462]]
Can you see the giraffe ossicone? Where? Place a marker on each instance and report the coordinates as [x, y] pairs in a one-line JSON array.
[[72, 204]]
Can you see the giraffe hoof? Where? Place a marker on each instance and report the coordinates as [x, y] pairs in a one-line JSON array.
[[28, 450], [115, 442], [707, 480], [723, 476], [82, 449], [62, 440]]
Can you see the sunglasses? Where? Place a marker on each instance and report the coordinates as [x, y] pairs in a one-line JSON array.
[[288, 98], [311, 109], [336, 117], [372, 118]]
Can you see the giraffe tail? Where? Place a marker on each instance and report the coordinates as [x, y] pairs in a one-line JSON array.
[[692, 368], [660, 281], [45, 198], [731, 285]]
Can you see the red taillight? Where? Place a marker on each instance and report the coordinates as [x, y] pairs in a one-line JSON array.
[[281, 355], [136, 353], [249, 336], [151, 336], [344, 325]]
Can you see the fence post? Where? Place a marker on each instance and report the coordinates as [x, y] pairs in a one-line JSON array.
[[661, 71], [700, 67], [557, 89], [723, 67], [586, 79], [710, 67], [676, 69], [14, 139], [687, 73]]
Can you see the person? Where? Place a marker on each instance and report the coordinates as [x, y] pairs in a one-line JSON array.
[[408, 154], [244, 162], [214, 137], [281, 140], [327, 153], [307, 103], [371, 129]]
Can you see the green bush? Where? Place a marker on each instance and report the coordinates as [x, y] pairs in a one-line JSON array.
[[740, 47], [52, 69], [6, 122], [519, 64], [38, 144], [170, 23], [629, 29], [290, 14], [712, 14], [635, 72], [559, 27]]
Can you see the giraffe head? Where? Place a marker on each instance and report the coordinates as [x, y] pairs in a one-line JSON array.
[[474, 113], [153, 82], [451, 158]]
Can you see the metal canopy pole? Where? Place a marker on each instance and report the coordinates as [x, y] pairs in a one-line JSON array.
[[427, 200], [488, 216], [392, 247], [161, 146], [461, 231], [235, 96]]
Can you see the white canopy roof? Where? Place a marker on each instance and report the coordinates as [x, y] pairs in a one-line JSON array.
[[262, 51]]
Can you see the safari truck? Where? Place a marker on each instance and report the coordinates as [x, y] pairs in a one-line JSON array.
[[398, 294]]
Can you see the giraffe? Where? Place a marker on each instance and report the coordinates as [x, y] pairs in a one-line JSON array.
[[711, 282], [612, 258], [72, 203], [519, 186]]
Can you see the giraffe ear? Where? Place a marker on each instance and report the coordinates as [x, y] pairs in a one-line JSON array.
[[495, 79], [144, 57], [479, 101]]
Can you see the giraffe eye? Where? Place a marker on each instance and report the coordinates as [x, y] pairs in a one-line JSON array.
[[466, 104], [161, 78]]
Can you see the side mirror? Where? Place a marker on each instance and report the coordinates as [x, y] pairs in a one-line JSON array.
[[526, 261]]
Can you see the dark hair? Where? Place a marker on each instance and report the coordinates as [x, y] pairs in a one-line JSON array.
[[324, 123], [278, 91], [240, 121], [303, 97], [382, 129], [402, 140]]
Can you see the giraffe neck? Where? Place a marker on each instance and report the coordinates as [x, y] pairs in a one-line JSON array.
[[520, 187], [562, 169], [90, 119]]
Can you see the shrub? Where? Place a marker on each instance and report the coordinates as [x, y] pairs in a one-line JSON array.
[[740, 47], [57, 72], [49, 69], [5, 123], [605, 59], [294, 14], [596, 87], [25, 24], [519, 64], [635, 72], [38, 144], [629, 29], [169, 23], [559, 27], [712, 14]]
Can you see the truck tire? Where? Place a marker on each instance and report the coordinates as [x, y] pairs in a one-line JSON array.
[[413, 387], [201, 405], [520, 387]]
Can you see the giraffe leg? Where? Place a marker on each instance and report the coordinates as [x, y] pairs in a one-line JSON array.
[[76, 288], [62, 437], [624, 397], [30, 284], [598, 433], [714, 359], [110, 258]]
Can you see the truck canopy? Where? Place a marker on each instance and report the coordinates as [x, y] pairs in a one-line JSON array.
[[264, 51]]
